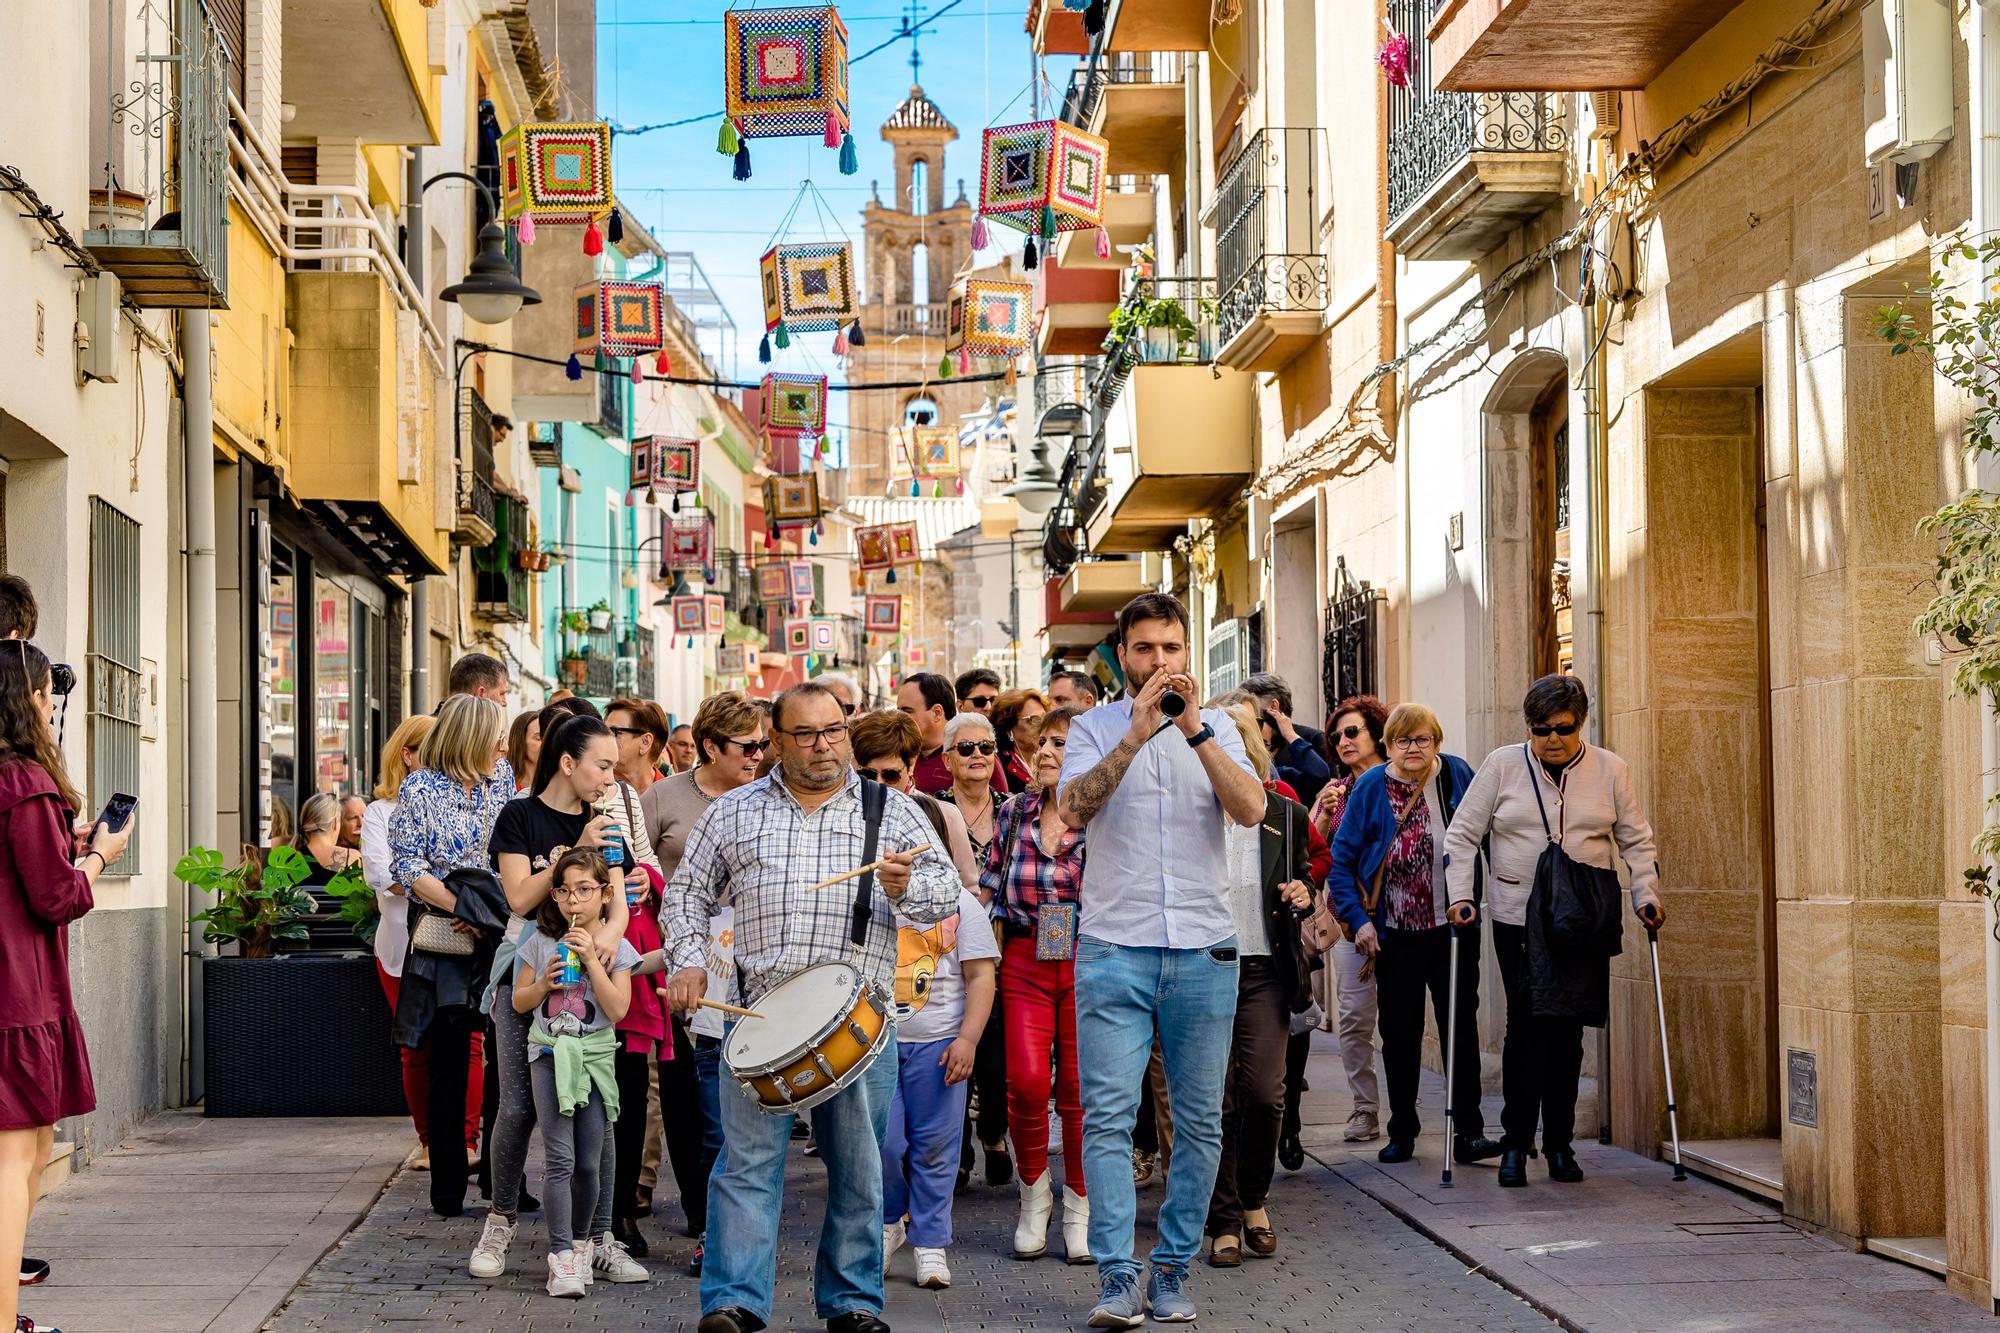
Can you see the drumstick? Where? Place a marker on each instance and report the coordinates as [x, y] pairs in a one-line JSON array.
[[862, 870], [728, 1008]]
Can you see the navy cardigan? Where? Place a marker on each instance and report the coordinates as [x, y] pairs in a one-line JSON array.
[[1366, 826]]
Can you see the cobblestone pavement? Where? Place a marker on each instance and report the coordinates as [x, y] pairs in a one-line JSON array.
[[1344, 1263]]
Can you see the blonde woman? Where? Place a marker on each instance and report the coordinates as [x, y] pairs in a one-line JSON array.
[[319, 837], [443, 818], [1388, 887], [392, 935]]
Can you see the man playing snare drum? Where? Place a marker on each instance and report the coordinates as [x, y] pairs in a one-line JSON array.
[[763, 845]]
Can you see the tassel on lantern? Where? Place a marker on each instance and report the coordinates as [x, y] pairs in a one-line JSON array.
[[524, 230], [813, 537], [690, 640], [638, 375], [892, 574], [855, 337], [937, 490], [593, 239], [958, 487], [742, 171], [916, 489], [850, 160], [819, 527], [840, 342], [614, 228], [832, 130], [674, 502], [1048, 224], [652, 497], [764, 350], [573, 368], [964, 361], [1093, 17], [944, 366], [661, 365], [770, 538], [1029, 255], [1013, 377], [726, 142], [784, 338], [980, 236], [1103, 244]]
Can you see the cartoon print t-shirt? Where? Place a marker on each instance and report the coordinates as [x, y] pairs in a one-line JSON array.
[[930, 989], [536, 951]]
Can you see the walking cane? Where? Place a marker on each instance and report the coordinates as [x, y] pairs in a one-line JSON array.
[[1666, 1056], [1450, 1054]]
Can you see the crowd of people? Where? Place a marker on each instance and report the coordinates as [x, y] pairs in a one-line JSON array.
[[1116, 909]]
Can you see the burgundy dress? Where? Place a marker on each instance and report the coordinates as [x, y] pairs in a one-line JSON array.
[[44, 1069]]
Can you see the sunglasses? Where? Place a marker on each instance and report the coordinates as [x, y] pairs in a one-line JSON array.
[[751, 749], [888, 777], [980, 701], [1351, 733], [967, 749], [1560, 729]]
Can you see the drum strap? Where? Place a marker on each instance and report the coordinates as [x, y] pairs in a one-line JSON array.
[[874, 799]]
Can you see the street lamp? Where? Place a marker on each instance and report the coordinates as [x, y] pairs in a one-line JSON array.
[[1036, 489], [491, 293]]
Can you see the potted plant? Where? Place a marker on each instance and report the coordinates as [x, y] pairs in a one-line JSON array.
[[600, 614], [576, 669], [574, 622], [288, 1034]]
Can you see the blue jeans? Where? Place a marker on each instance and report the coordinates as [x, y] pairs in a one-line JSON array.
[[708, 1074], [920, 1154], [746, 1195], [1125, 997]]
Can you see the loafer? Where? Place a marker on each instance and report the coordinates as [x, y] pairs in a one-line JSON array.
[[1225, 1252], [1291, 1153], [1263, 1241], [1470, 1150], [1396, 1150], [1514, 1168], [1563, 1167], [729, 1319], [856, 1321], [1119, 1304], [626, 1229]]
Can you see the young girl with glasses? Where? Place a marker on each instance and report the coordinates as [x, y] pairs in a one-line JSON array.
[[572, 1049]]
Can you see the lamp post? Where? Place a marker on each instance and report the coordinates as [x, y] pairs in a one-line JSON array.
[[491, 292]]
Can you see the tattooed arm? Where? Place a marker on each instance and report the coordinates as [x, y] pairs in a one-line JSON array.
[[1083, 796]]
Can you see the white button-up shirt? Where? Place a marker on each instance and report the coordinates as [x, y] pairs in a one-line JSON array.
[[1157, 874]]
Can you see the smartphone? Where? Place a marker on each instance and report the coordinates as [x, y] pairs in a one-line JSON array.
[[116, 811]]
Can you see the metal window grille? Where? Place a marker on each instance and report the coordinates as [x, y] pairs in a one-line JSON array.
[[113, 656], [1348, 663], [1559, 475]]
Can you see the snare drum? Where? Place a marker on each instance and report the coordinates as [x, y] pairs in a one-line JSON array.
[[820, 1031]]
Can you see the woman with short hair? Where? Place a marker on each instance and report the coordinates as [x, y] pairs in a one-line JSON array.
[[971, 750], [1388, 886], [641, 729], [1017, 719], [1552, 789], [319, 838]]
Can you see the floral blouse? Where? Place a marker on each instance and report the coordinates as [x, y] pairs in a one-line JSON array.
[[439, 826], [1415, 864]]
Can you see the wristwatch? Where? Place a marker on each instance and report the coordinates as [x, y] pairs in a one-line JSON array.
[[1207, 733]]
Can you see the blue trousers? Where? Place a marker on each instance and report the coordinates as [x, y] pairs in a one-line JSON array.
[[746, 1194], [920, 1154], [1125, 997]]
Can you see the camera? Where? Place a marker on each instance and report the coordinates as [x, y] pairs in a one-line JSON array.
[[1172, 705], [62, 678]]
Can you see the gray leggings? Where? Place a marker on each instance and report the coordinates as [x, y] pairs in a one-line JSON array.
[[572, 1150], [517, 1112]]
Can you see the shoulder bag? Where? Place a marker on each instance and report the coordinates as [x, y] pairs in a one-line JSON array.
[[1577, 903], [431, 932]]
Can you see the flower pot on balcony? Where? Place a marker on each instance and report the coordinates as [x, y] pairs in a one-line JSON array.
[[1162, 345], [117, 210], [575, 669], [600, 620]]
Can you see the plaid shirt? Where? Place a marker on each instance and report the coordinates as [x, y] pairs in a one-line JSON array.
[[759, 848], [1018, 874]]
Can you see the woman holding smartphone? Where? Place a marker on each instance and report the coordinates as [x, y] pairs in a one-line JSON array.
[[44, 885]]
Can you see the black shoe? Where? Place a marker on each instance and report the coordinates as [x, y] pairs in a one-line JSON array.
[[1291, 1153], [856, 1321], [801, 1129], [1563, 1167], [1397, 1150], [33, 1271], [1514, 1168], [964, 1178], [1470, 1150], [694, 1263], [999, 1166], [626, 1231], [529, 1203], [729, 1319]]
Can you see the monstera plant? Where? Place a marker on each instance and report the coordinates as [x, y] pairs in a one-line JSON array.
[[257, 903]]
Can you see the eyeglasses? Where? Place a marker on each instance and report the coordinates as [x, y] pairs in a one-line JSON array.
[[1543, 729], [966, 749], [576, 890], [751, 749], [980, 701], [806, 738], [629, 731], [888, 777], [1413, 742], [846, 709], [1351, 733]]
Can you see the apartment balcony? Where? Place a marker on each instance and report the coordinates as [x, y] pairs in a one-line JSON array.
[[904, 319], [1106, 585], [1158, 25], [362, 428], [360, 69], [1056, 29], [478, 513], [1274, 276], [1563, 45], [1076, 314], [1130, 211], [502, 585], [159, 131], [1136, 100], [1173, 441], [1465, 168]]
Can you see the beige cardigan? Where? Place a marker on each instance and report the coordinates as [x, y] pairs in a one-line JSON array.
[[1593, 809]]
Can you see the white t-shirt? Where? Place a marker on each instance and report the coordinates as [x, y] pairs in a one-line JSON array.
[[930, 985], [721, 973]]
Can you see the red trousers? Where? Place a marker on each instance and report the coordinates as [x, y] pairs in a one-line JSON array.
[[1039, 1000], [417, 1081]]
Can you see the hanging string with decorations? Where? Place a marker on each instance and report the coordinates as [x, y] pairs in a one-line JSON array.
[[558, 173], [785, 75]]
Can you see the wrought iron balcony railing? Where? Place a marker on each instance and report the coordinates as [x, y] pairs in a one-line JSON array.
[[1267, 210], [1432, 130], [1088, 81], [477, 505], [611, 404], [502, 586]]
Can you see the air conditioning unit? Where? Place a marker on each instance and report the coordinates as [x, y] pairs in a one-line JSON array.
[[1604, 111], [1906, 63]]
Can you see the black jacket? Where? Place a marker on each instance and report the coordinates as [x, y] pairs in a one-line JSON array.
[[1281, 920], [440, 981]]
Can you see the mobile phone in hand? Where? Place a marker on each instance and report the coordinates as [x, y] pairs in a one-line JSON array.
[[116, 811]]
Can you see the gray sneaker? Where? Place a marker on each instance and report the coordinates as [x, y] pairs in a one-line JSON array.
[[1118, 1304], [1170, 1304]]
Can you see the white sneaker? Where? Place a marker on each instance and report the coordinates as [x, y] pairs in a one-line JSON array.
[[615, 1262], [893, 1235], [1076, 1227], [586, 1260], [489, 1256], [932, 1270], [1031, 1230], [565, 1279]]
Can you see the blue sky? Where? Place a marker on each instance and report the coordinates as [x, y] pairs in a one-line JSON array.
[[661, 60]]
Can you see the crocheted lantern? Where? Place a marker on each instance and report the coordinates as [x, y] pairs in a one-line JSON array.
[[641, 478], [736, 659], [792, 501], [676, 465], [883, 614], [785, 74], [871, 546], [698, 613], [795, 405], [903, 543], [690, 545], [808, 289], [557, 174], [784, 581], [620, 318], [917, 656], [798, 636], [987, 318], [825, 632], [1042, 178]]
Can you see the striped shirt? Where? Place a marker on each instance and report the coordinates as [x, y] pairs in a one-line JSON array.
[[758, 848]]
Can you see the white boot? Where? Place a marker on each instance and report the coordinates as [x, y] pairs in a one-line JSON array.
[[1031, 1233], [1076, 1226]]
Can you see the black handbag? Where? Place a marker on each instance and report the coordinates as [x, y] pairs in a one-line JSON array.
[[1577, 903]]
